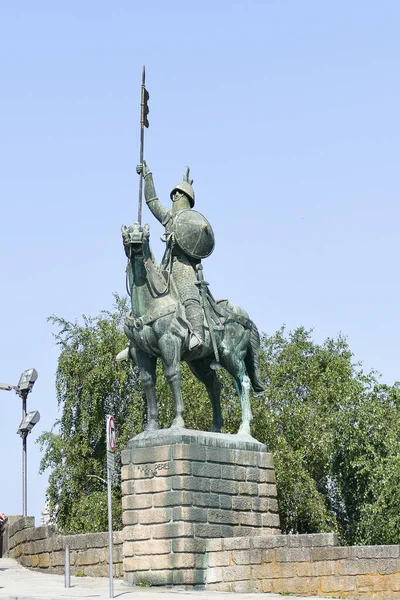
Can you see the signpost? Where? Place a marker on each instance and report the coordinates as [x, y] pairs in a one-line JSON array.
[[110, 433]]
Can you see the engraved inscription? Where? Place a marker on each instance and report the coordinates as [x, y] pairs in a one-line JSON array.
[[153, 470]]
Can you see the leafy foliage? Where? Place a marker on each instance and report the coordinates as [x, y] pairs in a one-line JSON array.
[[334, 430], [90, 384]]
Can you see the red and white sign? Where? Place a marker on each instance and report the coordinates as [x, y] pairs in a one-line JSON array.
[[110, 433]]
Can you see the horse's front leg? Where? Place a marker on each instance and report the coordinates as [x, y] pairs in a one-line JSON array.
[[147, 369], [170, 348]]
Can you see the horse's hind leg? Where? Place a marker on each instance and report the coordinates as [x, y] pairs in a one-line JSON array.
[[147, 368], [236, 367], [201, 369]]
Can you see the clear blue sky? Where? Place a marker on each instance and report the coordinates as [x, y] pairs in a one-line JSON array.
[[287, 113]]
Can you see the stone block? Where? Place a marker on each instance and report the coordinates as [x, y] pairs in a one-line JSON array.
[[57, 559], [210, 470], [130, 517], [266, 460], [99, 540], [335, 584], [208, 500], [137, 532], [189, 513], [224, 486], [150, 454], [258, 504], [233, 472], [191, 483], [92, 556], [44, 560], [246, 557], [214, 574], [125, 457], [219, 559], [222, 517], [188, 577], [225, 502], [269, 476], [243, 503], [135, 502], [189, 452], [155, 515], [153, 578], [237, 573], [189, 545], [330, 553], [375, 551], [236, 543], [172, 530], [251, 519], [207, 530], [95, 570], [214, 545], [181, 467], [127, 487], [270, 520], [147, 547], [248, 488], [173, 498], [150, 486], [292, 554], [246, 458], [324, 568], [247, 586], [220, 455]]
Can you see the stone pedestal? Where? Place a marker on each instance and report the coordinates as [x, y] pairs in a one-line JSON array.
[[182, 487]]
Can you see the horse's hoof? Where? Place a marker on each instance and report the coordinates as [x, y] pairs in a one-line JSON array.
[[244, 429], [178, 423], [152, 426], [215, 429]]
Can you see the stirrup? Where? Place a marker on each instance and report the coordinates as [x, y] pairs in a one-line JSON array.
[[195, 341]]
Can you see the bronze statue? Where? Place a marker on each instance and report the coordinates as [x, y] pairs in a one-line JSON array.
[[174, 315], [189, 238]]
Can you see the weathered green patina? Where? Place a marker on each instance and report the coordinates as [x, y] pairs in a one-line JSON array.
[[175, 317]]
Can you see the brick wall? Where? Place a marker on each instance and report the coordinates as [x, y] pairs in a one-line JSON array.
[[42, 548], [303, 564]]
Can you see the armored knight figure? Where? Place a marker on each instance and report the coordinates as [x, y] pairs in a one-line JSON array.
[[189, 238]]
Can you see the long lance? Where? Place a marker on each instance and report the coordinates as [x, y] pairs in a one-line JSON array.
[[144, 109]]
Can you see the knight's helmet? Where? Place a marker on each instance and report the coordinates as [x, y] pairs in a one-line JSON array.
[[185, 186]]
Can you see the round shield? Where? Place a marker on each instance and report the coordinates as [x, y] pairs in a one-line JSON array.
[[193, 233]]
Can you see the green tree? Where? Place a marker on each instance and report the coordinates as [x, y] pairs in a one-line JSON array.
[[90, 384]]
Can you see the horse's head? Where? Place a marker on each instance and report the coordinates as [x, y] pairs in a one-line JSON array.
[[135, 239]]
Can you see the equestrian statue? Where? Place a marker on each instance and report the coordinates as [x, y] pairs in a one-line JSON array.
[[174, 316]]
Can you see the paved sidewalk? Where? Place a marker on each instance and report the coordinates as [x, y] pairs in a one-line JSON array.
[[18, 583]]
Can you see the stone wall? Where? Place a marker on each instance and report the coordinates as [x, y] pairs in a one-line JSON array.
[[303, 564], [42, 548]]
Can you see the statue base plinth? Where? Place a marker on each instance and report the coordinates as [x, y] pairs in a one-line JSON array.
[[181, 487]]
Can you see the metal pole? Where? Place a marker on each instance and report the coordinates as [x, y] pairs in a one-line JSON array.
[[67, 568], [141, 145], [24, 462], [110, 536]]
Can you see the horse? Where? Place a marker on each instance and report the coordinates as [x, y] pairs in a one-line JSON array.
[[157, 328]]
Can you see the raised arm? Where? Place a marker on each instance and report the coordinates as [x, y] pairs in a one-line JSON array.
[[152, 201]]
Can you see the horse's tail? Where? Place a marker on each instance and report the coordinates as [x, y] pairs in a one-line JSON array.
[[252, 360]]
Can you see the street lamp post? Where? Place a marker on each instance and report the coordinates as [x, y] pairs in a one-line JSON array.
[[29, 420]]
